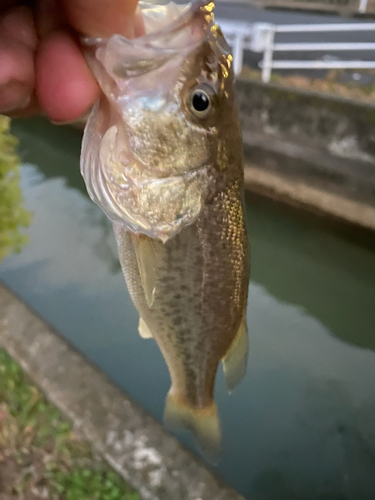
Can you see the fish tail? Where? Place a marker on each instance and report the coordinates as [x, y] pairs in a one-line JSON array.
[[203, 423]]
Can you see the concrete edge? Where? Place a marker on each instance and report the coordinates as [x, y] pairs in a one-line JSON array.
[[352, 179], [299, 194], [130, 440], [301, 93]]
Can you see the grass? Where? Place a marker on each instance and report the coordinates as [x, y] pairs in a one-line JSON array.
[[40, 455]]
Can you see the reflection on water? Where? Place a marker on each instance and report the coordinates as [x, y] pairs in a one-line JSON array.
[[332, 278], [302, 423]]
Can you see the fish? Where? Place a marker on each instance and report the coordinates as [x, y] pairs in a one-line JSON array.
[[162, 157]]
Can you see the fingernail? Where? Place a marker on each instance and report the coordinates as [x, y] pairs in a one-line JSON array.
[[14, 96]]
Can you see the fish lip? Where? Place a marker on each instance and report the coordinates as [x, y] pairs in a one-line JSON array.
[[178, 23]]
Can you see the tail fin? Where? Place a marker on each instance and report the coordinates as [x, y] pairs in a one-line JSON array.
[[203, 423]]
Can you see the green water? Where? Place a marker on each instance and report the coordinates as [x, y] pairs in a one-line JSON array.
[[302, 423]]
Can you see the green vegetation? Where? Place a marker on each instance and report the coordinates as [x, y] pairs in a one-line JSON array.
[[12, 215], [40, 456]]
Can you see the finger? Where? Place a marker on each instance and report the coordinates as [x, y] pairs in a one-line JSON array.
[[18, 24], [16, 75], [14, 96], [7, 4], [101, 17], [31, 109], [49, 17], [139, 25], [65, 86]]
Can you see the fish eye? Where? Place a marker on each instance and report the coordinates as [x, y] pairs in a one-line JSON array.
[[200, 102]]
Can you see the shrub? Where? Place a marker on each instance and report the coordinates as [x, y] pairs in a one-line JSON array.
[[13, 217]]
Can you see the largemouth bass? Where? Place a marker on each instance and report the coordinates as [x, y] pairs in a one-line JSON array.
[[162, 156]]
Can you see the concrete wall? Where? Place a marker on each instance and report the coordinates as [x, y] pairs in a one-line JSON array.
[[297, 141], [343, 128]]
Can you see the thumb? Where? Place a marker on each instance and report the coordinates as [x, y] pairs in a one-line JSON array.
[[102, 18]]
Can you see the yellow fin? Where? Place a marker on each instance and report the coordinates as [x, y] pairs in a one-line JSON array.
[[144, 248], [235, 360], [144, 330], [203, 423]]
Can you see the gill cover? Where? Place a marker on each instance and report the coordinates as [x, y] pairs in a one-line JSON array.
[[144, 162]]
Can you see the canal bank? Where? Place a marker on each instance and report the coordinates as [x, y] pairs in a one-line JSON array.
[[129, 439], [312, 151]]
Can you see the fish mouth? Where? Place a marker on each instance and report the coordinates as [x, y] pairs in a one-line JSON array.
[[171, 31], [161, 21]]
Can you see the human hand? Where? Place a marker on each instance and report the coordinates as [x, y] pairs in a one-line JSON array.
[[42, 68]]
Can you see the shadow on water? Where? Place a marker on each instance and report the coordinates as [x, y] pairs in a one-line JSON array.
[[302, 423]]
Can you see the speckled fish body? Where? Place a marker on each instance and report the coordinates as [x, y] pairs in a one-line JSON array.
[[162, 156]]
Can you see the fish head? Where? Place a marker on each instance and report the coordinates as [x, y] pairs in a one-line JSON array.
[[150, 147]]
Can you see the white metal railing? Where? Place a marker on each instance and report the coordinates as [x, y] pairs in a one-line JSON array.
[[260, 37], [362, 6], [240, 37]]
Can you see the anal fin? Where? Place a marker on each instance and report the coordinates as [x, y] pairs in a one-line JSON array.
[[235, 360], [144, 330], [203, 423]]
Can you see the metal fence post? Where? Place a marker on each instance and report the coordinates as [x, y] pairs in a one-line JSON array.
[[238, 54], [268, 54], [362, 6]]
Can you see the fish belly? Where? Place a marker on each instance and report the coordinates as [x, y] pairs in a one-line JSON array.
[[191, 295]]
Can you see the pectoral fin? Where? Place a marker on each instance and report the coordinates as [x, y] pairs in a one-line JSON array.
[[144, 247], [144, 330], [235, 360]]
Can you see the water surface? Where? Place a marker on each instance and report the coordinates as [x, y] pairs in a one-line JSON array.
[[302, 423]]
